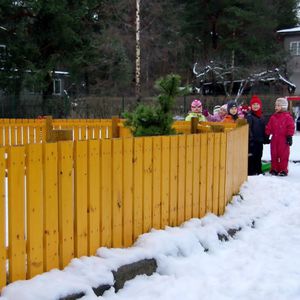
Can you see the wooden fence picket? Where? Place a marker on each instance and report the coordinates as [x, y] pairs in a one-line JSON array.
[[189, 161], [106, 193], [80, 199], [34, 202], [128, 191], [165, 177], [93, 181], [2, 219], [138, 187], [117, 193], [196, 177], [156, 187], [65, 202], [50, 205], [173, 180], [16, 213], [181, 178], [147, 180]]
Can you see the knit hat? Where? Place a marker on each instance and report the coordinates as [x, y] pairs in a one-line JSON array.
[[196, 105], [224, 107], [257, 100], [216, 109], [282, 102], [230, 105]]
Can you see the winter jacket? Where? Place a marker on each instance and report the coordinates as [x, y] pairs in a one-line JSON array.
[[215, 118], [231, 119], [257, 137], [280, 126], [256, 128], [193, 114]]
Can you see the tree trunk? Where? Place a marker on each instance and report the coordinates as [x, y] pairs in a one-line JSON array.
[[138, 54], [232, 66]]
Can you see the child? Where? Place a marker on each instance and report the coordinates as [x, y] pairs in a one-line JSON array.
[[219, 114], [196, 111], [257, 136], [281, 126], [232, 112]]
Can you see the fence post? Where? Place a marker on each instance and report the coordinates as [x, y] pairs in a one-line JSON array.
[[49, 127], [194, 124], [115, 128]]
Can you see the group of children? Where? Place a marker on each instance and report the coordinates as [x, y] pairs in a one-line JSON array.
[[280, 128]]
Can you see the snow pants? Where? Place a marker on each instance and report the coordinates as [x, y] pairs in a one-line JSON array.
[[280, 153], [254, 158]]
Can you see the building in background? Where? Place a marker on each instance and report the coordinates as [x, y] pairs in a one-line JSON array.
[[291, 42]]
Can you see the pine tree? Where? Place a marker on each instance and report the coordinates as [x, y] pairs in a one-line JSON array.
[[148, 120], [43, 36]]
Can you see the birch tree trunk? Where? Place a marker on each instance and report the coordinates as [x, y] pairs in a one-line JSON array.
[[137, 54]]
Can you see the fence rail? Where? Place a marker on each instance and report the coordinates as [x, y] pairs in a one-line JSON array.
[[65, 199], [15, 132]]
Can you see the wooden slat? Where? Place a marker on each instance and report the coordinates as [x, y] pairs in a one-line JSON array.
[[209, 173], [2, 219], [2, 136], [189, 177], [147, 191], [106, 193], [156, 208], [128, 191], [173, 180], [81, 230], [34, 191], [31, 134], [165, 176], [229, 166], [76, 132], [16, 213], [19, 133], [222, 173], [7, 132], [65, 202], [50, 191], [203, 173], [93, 196], [216, 173], [181, 178], [13, 132], [196, 177], [25, 134], [138, 187], [117, 193]]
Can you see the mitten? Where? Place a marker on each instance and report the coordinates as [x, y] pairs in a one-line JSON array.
[[289, 140], [205, 112]]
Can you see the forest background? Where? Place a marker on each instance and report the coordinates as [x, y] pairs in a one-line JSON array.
[[94, 41]]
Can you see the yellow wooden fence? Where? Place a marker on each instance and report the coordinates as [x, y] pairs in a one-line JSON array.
[[68, 198], [33, 131]]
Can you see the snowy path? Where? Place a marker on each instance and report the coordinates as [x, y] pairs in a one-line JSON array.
[[259, 263]]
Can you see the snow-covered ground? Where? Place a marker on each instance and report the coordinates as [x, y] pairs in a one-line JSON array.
[[260, 262]]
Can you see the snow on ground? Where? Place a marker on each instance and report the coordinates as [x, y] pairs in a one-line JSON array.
[[260, 262]]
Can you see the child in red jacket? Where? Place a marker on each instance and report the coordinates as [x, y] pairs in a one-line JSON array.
[[281, 126]]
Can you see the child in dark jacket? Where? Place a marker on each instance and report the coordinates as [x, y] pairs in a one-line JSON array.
[[257, 136], [232, 112], [282, 127]]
